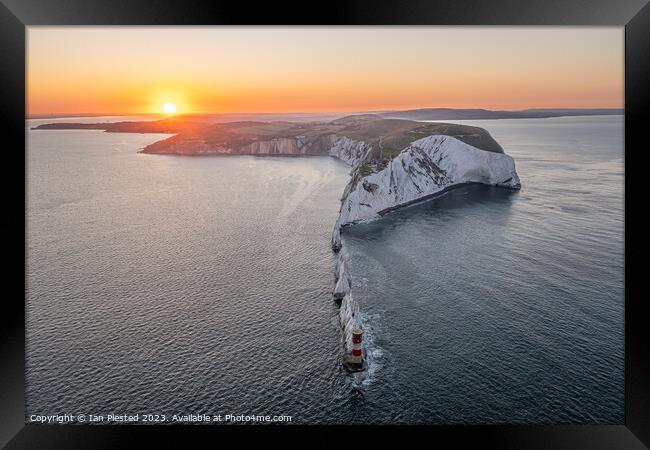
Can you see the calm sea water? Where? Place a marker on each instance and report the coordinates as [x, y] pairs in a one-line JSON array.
[[178, 285]]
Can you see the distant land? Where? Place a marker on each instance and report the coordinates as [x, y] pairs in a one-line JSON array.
[[72, 115], [410, 114], [482, 114], [196, 136]]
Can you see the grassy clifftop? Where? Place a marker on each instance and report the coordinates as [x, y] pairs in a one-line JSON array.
[[390, 136]]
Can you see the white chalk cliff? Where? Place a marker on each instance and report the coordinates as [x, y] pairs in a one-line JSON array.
[[349, 312], [350, 151], [342, 277], [347, 150], [425, 168]]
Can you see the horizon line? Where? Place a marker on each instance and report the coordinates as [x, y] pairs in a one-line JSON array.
[[55, 115]]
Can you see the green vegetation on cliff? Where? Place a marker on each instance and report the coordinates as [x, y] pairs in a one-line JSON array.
[[387, 137]]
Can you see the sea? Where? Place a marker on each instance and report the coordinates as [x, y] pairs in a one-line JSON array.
[[167, 286]]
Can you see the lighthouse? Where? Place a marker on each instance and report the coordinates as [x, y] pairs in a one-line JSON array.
[[354, 362], [357, 336]]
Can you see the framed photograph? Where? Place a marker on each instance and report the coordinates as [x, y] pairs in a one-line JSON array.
[[390, 217]]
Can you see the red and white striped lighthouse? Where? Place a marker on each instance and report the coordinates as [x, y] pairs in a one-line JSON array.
[[357, 337], [353, 361]]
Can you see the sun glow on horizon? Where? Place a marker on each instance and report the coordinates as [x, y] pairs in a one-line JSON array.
[[169, 108]]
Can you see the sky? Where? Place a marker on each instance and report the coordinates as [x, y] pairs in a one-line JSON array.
[[130, 70]]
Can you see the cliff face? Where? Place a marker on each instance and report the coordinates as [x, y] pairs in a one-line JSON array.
[[347, 150], [424, 168], [350, 151], [299, 146]]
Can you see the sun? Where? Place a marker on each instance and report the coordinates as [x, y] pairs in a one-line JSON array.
[[169, 108]]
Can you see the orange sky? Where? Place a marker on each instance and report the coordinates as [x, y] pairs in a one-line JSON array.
[[127, 70]]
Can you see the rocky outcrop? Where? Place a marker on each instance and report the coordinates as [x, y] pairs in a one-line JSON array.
[[349, 311], [350, 151], [426, 167], [342, 278], [336, 237], [350, 318]]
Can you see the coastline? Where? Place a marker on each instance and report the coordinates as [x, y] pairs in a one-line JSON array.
[[421, 159]]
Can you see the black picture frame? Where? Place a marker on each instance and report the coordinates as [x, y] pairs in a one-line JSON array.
[[15, 15]]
